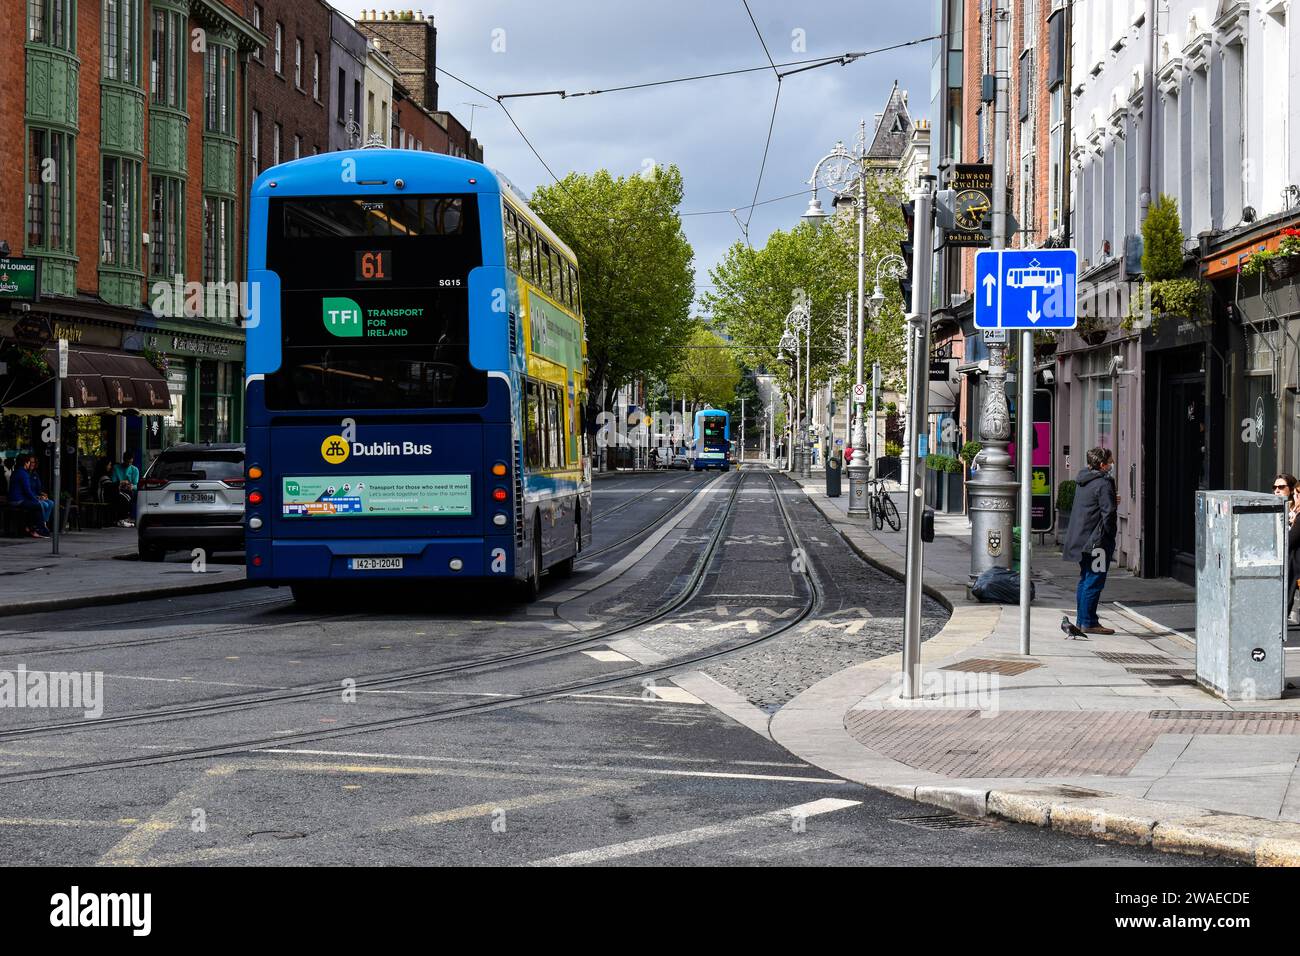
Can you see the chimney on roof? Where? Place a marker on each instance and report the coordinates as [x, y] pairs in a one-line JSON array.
[[411, 42]]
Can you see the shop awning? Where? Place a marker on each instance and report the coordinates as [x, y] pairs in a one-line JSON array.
[[100, 380]]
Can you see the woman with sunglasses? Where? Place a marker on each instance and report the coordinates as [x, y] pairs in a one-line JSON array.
[[1284, 486]]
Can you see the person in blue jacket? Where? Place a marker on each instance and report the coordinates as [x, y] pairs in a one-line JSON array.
[[26, 497]]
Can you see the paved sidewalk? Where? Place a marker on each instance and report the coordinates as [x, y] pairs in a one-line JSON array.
[[99, 567], [1107, 737]]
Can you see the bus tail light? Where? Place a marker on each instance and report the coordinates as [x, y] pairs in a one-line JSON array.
[[499, 494], [499, 469], [254, 497]]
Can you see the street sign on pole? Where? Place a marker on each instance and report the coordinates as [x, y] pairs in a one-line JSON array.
[[859, 393], [1026, 289]]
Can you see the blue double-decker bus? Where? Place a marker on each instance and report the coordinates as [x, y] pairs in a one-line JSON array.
[[711, 447], [416, 363]]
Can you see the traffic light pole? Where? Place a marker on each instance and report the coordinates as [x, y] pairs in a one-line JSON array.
[[918, 331]]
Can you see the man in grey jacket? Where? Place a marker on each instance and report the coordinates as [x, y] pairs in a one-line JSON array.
[[1090, 539]]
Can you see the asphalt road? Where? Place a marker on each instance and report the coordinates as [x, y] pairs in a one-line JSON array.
[[449, 726]]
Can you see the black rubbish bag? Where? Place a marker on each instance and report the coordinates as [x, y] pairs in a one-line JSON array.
[[999, 586]]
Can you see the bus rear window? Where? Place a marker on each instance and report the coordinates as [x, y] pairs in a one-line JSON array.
[[374, 302], [331, 218]]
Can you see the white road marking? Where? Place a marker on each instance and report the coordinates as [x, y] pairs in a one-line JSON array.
[[608, 657], [195, 680], [708, 774], [674, 694], [699, 834]]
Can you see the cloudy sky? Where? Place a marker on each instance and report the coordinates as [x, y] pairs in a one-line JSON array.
[[714, 130]]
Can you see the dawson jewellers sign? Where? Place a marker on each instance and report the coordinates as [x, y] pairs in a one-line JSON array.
[[20, 279]]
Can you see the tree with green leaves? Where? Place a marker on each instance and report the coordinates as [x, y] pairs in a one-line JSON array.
[[754, 290], [637, 278], [707, 374]]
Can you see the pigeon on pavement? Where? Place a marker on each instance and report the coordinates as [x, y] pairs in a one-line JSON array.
[[1070, 630]]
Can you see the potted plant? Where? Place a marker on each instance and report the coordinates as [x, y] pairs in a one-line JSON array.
[[1064, 505], [1164, 291]]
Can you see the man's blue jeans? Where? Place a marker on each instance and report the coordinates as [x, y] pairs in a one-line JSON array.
[[1089, 593]]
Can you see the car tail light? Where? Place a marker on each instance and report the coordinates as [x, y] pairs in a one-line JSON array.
[[255, 498], [499, 494], [152, 484], [233, 482]]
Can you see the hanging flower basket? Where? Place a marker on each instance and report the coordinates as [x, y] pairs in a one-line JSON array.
[[1282, 268]]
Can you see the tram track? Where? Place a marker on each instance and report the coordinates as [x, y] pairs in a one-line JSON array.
[[240, 629], [236, 702], [590, 685]]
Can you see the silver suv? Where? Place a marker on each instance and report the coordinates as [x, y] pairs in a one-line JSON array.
[[192, 496]]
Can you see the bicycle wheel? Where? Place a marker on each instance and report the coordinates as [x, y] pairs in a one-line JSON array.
[[877, 519], [890, 511]]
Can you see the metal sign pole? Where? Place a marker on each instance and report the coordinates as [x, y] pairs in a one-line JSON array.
[[918, 330], [58, 441], [1025, 453]]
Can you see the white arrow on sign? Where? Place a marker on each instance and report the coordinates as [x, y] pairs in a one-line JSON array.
[[1034, 314], [990, 284]]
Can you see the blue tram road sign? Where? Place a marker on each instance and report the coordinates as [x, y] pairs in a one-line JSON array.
[[1026, 289]]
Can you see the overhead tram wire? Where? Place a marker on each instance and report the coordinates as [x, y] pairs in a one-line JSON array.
[[810, 63], [771, 123]]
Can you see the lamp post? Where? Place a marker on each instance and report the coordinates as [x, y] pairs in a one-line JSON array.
[[798, 322], [844, 173], [789, 343]]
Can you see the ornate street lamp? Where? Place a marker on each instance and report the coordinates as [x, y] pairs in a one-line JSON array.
[[844, 174]]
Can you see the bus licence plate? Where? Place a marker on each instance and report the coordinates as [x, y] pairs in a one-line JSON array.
[[375, 564]]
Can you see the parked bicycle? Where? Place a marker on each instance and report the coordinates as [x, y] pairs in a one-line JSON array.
[[882, 507]]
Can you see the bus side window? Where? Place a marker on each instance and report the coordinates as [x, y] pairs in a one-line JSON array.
[[525, 252], [512, 241], [573, 289], [559, 281], [537, 258], [532, 426], [582, 425], [553, 426]]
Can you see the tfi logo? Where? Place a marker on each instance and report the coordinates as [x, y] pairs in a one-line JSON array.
[[342, 316]]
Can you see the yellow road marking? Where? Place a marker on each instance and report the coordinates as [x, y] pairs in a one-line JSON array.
[[131, 848], [516, 803], [57, 822]]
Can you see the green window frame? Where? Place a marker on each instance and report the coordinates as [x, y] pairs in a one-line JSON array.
[[120, 41], [51, 168], [53, 23], [167, 58], [119, 219], [219, 89], [218, 239], [166, 226]]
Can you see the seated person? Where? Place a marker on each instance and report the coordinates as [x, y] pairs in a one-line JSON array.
[[23, 497], [125, 478]]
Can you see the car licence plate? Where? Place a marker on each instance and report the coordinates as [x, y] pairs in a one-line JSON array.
[[375, 564], [196, 497]]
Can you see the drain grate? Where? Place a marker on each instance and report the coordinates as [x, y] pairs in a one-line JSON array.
[[1162, 671], [1112, 657], [987, 665], [1223, 715], [944, 821]]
